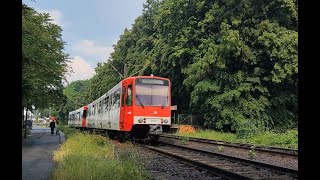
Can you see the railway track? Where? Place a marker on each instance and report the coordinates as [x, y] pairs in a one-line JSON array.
[[227, 166], [264, 149], [161, 167]]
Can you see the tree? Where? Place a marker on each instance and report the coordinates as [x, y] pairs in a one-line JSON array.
[[76, 93], [234, 62], [244, 73], [43, 60]]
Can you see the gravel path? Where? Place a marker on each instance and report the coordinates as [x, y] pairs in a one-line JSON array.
[[37, 149], [162, 167]]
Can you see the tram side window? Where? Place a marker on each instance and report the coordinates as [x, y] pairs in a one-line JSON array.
[[104, 105], [107, 103], [78, 116], [111, 101], [100, 108], [97, 108], [129, 98], [123, 94], [117, 99], [92, 110]]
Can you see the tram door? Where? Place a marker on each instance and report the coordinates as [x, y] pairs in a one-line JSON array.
[[126, 115], [84, 116], [78, 119]]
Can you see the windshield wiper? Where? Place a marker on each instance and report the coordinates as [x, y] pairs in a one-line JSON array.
[[137, 96]]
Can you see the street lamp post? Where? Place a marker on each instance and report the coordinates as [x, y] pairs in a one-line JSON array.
[[25, 125]]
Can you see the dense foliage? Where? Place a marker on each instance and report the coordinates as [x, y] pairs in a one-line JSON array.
[[76, 94], [234, 62], [43, 60]]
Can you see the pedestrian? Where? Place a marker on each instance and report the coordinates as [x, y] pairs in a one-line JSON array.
[[52, 126]]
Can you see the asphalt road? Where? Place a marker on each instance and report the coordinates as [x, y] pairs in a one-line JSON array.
[[37, 154]]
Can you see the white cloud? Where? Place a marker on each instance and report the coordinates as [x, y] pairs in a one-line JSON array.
[[81, 70], [90, 48], [55, 15]]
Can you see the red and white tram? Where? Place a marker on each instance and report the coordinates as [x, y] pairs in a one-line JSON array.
[[137, 106]]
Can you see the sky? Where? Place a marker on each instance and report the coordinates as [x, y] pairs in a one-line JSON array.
[[89, 28]]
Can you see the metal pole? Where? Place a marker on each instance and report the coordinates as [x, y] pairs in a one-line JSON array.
[[125, 70], [117, 71], [178, 119], [25, 125]]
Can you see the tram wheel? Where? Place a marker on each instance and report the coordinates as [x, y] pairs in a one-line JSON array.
[[112, 134], [122, 136]]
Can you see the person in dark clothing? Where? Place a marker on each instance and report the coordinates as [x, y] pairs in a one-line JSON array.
[[52, 126]]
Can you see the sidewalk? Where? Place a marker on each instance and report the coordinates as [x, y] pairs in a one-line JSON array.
[[37, 153]]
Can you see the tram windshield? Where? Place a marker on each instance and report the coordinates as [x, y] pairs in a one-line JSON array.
[[152, 92]]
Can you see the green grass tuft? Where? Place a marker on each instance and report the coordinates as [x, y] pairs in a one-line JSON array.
[[88, 156], [289, 139]]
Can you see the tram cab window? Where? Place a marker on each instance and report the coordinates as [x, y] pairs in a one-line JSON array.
[[129, 98]]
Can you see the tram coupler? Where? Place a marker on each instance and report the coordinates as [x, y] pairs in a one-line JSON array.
[[155, 130]]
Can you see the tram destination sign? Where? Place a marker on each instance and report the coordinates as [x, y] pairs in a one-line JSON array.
[[152, 81]]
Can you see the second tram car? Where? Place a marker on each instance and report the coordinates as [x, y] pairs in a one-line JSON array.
[[138, 106]]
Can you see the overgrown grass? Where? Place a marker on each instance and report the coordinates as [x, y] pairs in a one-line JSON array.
[[87, 156], [288, 139], [66, 130]]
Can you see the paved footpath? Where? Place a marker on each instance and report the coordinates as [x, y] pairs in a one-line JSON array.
[[37, 153]]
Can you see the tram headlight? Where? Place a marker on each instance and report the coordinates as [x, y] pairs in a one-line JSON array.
[[140, 120], [166, 120]]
